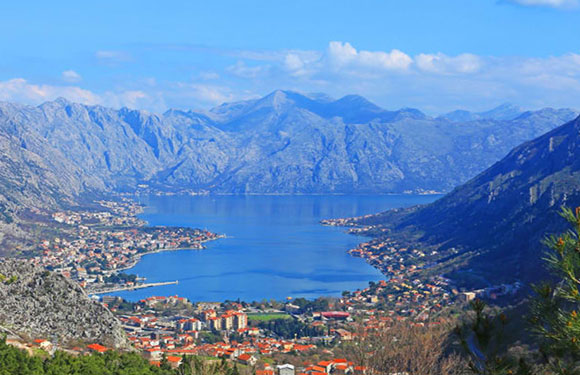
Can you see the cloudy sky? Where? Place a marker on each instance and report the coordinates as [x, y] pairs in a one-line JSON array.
[[435, 55]]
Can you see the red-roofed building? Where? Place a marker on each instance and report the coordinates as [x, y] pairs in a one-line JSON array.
[[97, 348], [174, 361], [247, 359], [335, 314]]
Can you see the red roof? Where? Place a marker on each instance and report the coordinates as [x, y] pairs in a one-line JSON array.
[[97, 348], [335, 314]]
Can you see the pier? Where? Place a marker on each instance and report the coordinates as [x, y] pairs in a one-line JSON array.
[[132, 287]]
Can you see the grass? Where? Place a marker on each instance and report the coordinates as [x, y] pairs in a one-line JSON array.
[[206, 358], [37, 352], [268, 317]]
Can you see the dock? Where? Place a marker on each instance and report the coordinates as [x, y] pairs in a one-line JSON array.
[[132, 287]]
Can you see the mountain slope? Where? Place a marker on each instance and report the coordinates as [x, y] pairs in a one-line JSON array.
[[285, 142], [290, 143], [505, 211]]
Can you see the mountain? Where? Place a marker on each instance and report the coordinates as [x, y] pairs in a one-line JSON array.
[[285, 142], [504, 212], [39, 304], [504, 112]]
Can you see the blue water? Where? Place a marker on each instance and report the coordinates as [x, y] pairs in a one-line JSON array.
[[275, 247]]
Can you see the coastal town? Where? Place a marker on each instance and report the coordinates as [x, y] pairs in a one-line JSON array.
[[416, 287], [94, 247], [295, 336], [291, 337]]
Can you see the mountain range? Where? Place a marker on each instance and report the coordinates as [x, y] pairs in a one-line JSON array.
[[503, 213], [283, 143]]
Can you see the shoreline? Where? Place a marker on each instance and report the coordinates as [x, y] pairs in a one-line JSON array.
[[382, 273], [138, 257]]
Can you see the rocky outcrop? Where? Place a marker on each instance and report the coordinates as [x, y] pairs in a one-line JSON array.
[[37, 303]]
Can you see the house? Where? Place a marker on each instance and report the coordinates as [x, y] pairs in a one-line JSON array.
[[43, 344], [285, 369], [174, 361], [327, 365], [154, 354], [337, 315], [97, 348], [343, 334], [247, 359]]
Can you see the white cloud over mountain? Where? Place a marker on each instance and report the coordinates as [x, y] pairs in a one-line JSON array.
[[71, 76], [443, 64], [434, 82], [341, 55]]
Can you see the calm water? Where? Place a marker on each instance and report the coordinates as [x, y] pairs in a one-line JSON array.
[[275, 247]]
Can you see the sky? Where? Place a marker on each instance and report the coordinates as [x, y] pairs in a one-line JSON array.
[[434, 55]]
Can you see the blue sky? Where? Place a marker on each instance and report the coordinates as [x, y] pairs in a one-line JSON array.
[[435, 55]]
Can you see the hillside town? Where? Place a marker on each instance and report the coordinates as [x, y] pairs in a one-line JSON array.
[[291, 337], [416, 287], [94, 246]]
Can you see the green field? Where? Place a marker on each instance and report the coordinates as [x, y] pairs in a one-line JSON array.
[[268, 317]]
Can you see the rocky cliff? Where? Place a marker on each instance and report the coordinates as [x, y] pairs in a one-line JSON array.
[[39, 304]]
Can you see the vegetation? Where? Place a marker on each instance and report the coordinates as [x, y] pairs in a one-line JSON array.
[[406, 349], [555, 309], [319, 304], [14, 361], [290, 328], [552, 319], [8, 280], [268, 317], [194, 365], [483, 339]]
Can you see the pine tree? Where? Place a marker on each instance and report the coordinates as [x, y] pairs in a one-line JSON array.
[[555, 307]]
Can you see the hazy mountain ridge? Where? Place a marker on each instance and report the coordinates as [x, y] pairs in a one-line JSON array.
[[505, 211], [283, 143]]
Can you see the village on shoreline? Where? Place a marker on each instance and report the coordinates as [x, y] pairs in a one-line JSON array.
[[94, 247], [97, 246]]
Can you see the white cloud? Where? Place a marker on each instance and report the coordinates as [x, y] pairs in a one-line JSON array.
[[430, 81], [293, 62], [341, 55], [443, 64], [71, 76], [21, 91], [561, 4], [301, 63], [434, 81], [198, 94]]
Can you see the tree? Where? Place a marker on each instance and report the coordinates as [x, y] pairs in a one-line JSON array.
[[555, 308], [405, 348], [482, 338]]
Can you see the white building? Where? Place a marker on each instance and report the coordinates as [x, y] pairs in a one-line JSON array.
[[285, 369]]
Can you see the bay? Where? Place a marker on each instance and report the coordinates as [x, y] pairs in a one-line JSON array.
[[275, 246]]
